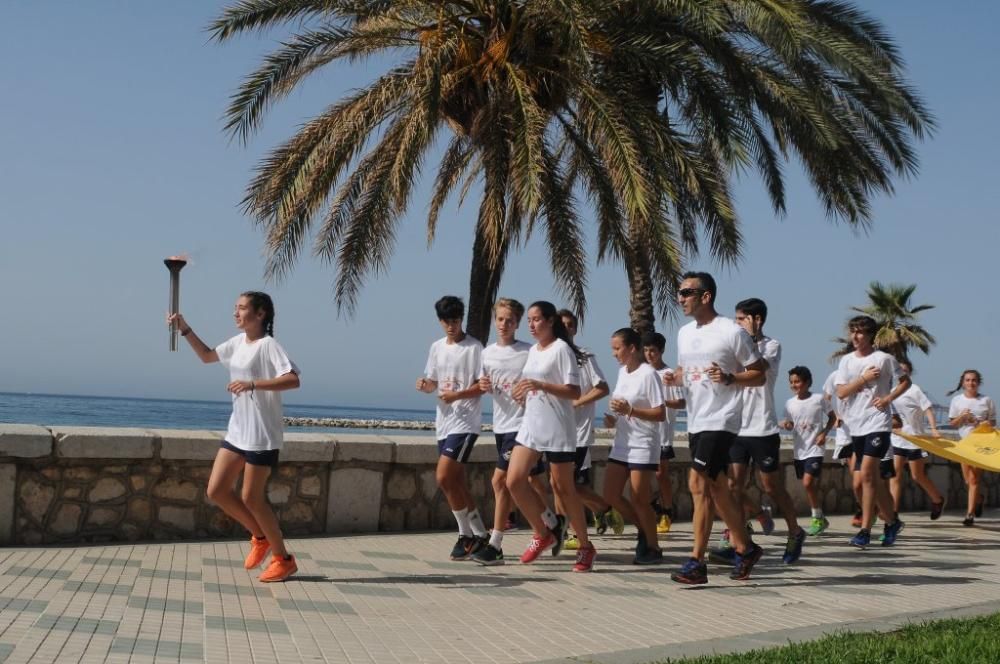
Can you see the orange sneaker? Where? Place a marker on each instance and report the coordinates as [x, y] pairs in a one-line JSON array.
[[258, 552], [279, 569]]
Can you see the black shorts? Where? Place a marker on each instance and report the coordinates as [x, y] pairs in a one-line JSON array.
[[667, 453], [873, 445], [764, 451], [810, 466], [710, 451], [636, 466], [581, 475], [910, 455], [265, 458], [505, 445], [845, 452], [457, 446]]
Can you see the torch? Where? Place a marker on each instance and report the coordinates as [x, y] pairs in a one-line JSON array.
[[174, 264]]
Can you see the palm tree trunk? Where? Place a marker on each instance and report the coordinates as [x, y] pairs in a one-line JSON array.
[[484, 282], [642, 315]]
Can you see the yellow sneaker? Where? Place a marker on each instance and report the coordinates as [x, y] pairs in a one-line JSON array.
[[258, 552], [572, 543], [279, 569], [663, 525]]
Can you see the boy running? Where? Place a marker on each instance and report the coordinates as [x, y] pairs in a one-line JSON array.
[[653, 345]]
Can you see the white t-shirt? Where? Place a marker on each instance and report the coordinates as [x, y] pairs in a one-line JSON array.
[[256, 424], [669, 394], [911, 406], [590, 377], [759, 414], [713, 406], [503, 365], [843, 435], [809, 416], [456, 367], [982, 407], [549, 424], [637, 441], [861, 416]]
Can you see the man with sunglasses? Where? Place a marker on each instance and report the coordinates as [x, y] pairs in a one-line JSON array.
[[716, 358]]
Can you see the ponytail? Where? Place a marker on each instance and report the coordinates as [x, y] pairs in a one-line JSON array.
[[262, 302], [961, 379]]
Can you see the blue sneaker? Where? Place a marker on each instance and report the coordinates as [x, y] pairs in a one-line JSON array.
[[793, 548], [744, 563], [891, 532], [725, 556], [765, 520], [862, 539], [692, 573]]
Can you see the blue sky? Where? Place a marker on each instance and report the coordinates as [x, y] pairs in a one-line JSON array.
[[112, 156]]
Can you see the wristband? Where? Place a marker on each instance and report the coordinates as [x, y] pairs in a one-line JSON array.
[[728, 378], [186, 332]]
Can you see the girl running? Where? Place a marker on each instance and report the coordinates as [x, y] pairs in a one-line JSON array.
[[636, 410], [968, 410], [550, 381], [259, 371]]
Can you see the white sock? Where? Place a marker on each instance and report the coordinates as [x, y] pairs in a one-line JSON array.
[[817, 513], [462, 517], [476, 521], [549, 517], [496, 539]]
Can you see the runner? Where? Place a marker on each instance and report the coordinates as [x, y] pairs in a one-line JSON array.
[[716, 358], [502, 364], [969, 409], [809, 417], [760, 442], [843, 450], [636, 413], [453, 368], [864, 386], [594, 387], [653, 345], [259, 370], [913, 408], [550, 382]]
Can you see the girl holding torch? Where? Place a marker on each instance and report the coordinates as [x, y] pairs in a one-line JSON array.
[[259, 371]]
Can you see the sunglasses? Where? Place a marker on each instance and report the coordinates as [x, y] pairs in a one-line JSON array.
[[688, 292]]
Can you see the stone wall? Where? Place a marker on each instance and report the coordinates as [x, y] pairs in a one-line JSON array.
[[83, 484]]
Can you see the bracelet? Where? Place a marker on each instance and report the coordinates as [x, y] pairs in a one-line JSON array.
[[630, 409], [186, 332], [253, 386]]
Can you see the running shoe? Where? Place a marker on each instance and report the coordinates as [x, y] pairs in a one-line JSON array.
[[601, 522], [765, 520], [648, 557], [572, 543], [559, 532], [793, 547], [745, 562], [478, 544], [892, 531], [585, 558], [968, 521], [862, 539], [536, 547], [258, 552], [279, 569], [693, 573], [617, 521], [489, 556], [663, 524], [817, 525], [979, 506], [724, 542], [640, 542], [722, 556], [856, 521], [937, 509], [463, 547], [511, 522]]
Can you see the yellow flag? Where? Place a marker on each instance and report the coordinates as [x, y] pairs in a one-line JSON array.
[[981, 448]]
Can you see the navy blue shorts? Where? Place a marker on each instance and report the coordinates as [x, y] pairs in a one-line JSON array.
[[505, 446], [667, 453], [845, 452], [764, 451], [910, 455], [710, 451], [636, 466], [810, 466], [873, 445], [265, 458], [457, 446]]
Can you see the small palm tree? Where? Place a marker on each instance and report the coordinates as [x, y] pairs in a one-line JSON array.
[[898, 330]]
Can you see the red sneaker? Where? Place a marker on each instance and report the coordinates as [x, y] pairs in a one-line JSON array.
[[279, 569], [585, 558], [258, 552], [536, 547]]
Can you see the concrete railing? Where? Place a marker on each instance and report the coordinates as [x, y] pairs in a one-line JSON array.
[[87, 484]]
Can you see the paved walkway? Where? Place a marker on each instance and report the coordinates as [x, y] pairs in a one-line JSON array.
[[396, 598]]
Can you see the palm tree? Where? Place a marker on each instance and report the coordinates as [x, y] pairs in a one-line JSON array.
[[646, 107], [898, 330]]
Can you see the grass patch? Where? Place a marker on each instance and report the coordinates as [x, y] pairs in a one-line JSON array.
[[969, 640]]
